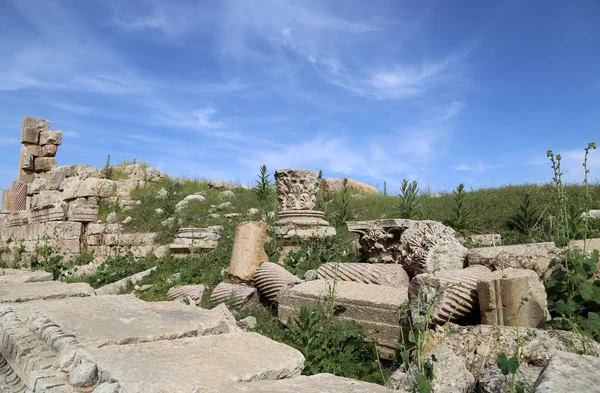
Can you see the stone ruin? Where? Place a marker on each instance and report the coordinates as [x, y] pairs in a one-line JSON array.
[[56, 337], [57, 206]]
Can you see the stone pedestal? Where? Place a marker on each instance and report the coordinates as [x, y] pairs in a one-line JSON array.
[[297, 193]]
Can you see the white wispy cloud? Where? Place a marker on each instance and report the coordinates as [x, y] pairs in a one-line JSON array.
[[204, 117]]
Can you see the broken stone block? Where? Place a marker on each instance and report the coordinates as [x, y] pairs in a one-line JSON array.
[[501, 293], [321, 383], [44, 164], [428, 246], [367, 273], [190, 292], [49, 150], [190, 240], [494, 239], [375, 307], [271, 280], [380, 239], [567, 372], [55, 212], [31, 129], [47, 198], [26, 175], [534, 256], [36, 186], [18, 218], [451, 374], [33, 150], [17, 276], [248, 250], [211, 362], [234, 295], [82, 213], [454, 293], [18, 293], [26, 160], [116, 287], [7, 201], [94, 187], [51, 138]]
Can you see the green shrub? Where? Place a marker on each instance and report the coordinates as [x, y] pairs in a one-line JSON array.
[[409, 205], [461, 219]]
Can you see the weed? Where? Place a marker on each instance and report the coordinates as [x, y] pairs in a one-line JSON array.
[[573, 288], [509, 366], [263, 187], [385, 192], [410, 200], [343, 212], [461, 219], [48, 260], [527, 217]]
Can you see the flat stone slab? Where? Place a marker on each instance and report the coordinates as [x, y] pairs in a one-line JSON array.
[[204, 363], [375, 307], [17, 276], [320, 383], [17, 293], [115, 320], [568, 372]]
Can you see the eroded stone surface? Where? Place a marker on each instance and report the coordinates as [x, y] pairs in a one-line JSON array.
[[108, 320], [567, 372], [534, 256], [375, 307], [17, 276], [248, 250], [16, 293], [321, 383], [210, 361]]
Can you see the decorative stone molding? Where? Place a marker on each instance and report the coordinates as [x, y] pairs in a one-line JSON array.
[[296, 188], [380, 239]]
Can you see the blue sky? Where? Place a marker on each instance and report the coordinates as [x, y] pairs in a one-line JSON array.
[[442, 92]]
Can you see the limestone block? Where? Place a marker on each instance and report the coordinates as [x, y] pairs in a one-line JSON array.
[[191, 292], [454, 293], [296, 188], [19, 195], [534, 256], [18, 293], [493, 381], [33, 150], [70, 187], [321, 383], [235, 295], [64, 230], [36, 186], [7, 205], [429, 246], [248, 250], [132, 321], [31, 129], [124, 188], [18, 218], [493, 239], [590, 245], [129, 239], [271, 280], [17, 276], [567, 372], [54, 178], [51, 138], [49, 150], [55, 212], [47, 198], [331, 186], [26, 175], [375, 307], [480, 345], [201, 239], [26, 160], [116, 287], [210, 362], [82, 213], [392, 275], [95, 229], [44, 164], [153, 175], [94, 187], [500, 295]]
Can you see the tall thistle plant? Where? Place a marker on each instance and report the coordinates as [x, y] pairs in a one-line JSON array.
[[573, 288], [410, 200], [461, 219]]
